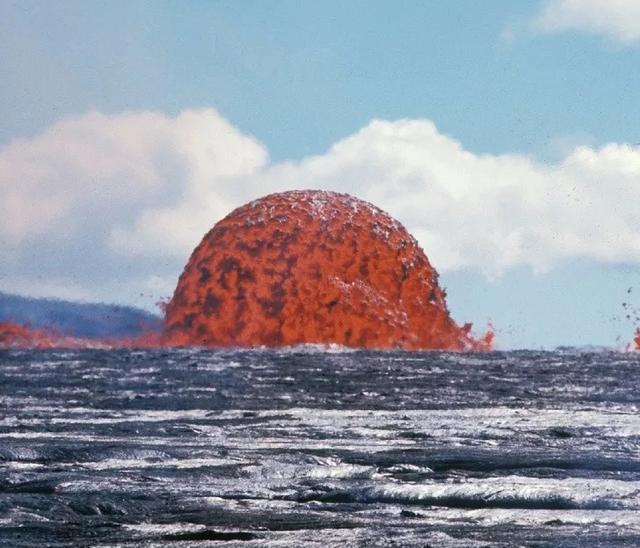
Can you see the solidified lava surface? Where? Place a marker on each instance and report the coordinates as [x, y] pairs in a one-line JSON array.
[[311, 267]]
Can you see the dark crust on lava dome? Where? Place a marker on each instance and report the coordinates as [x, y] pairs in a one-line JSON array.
[[310, 267]]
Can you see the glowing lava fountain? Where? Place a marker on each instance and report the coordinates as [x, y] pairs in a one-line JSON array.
[[312, 267]]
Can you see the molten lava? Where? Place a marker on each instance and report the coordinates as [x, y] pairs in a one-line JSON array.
[[292, 268], [312, 267], [13, 335], [20, 336]]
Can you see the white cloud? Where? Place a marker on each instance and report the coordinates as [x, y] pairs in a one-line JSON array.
[[616, 19], [113, 205], [75, 198], [112, 167], [486, 212]]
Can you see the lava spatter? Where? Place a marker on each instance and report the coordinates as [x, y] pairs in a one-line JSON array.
[[20, 336], [13, 335], [312, 267]]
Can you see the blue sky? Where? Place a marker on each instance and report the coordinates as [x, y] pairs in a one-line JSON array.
[[505, 80]]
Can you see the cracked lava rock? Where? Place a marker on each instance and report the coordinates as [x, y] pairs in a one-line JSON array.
[[311, 267]]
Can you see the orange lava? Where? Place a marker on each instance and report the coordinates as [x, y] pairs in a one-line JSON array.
[[21, 336], [14, 335], [312, 267], [636, 339]]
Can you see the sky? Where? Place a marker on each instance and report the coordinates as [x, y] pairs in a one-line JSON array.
[[504, 135]]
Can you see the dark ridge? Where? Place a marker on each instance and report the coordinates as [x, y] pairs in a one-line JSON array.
[[482, 460], [38, 487], [553, 502], [210, 535], [562, 433]]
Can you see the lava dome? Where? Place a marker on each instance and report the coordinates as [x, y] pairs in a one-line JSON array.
[[311, 267]]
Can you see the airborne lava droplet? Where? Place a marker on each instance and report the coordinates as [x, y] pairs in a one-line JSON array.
[[311, 267]]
